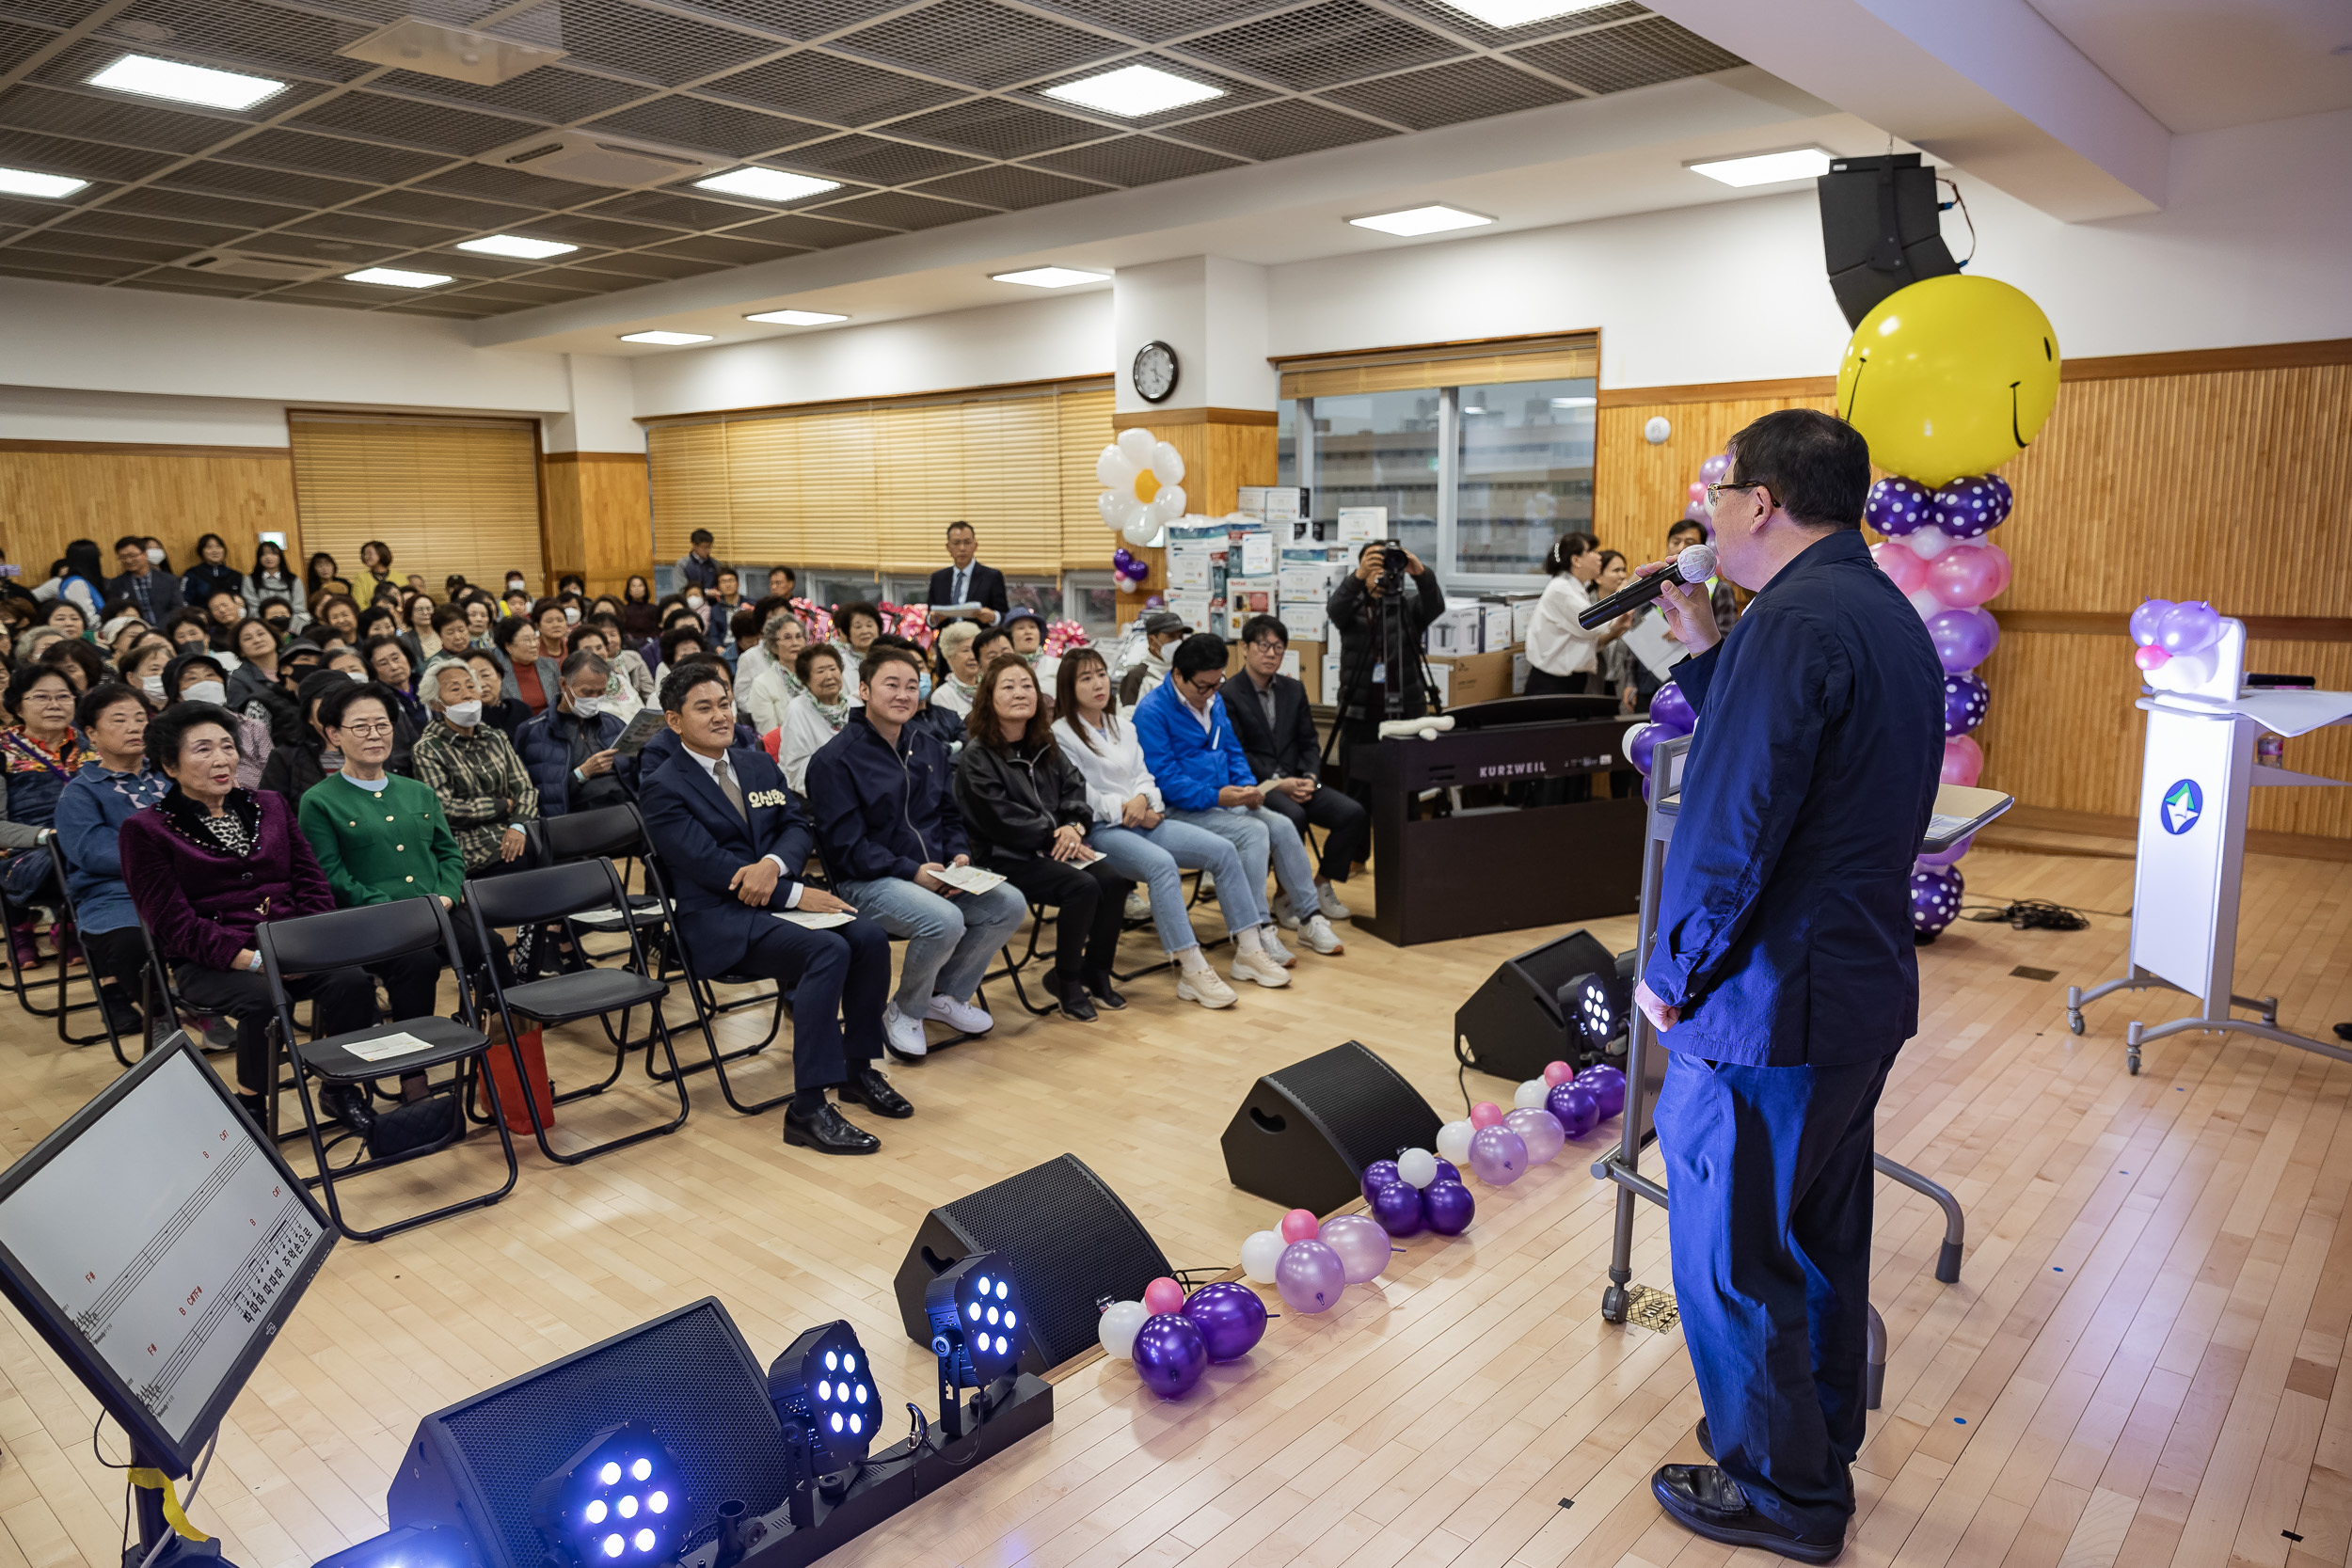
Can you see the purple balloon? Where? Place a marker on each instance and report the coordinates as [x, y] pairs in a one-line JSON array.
[[1896, 506], [1574, 1107], [1539, 1129], [1450, 1207], [1498, 1155], [1965, 698], [2145, 619], [1644, 745], [1670, 707], [1696, 511], [1170, 1354], [1715, 470], [1970, 505], [2188, 629], [1119, 556], [1397, 1207], [1607, 1085], [1231, 1317], [1446, 1172], [1379, 1174], [1934, 898], [1947, 857], [1310, 1276], [1963, 638]]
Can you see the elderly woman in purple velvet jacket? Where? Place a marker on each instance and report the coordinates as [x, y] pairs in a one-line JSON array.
[[208, 864]]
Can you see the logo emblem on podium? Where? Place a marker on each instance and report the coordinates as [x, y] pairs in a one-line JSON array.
[[2183, 804]]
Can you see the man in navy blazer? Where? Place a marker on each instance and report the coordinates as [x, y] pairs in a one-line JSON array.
[[967, 582], [732, 842]]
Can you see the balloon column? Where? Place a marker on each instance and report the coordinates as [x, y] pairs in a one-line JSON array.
[[1949, 379], [1142, 486], [1129, 570], [2176, 643], [1670, 715]]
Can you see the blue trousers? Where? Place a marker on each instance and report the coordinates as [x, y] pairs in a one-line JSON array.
[[1770, 1229]]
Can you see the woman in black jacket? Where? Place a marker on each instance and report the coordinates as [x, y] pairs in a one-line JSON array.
[[1025, 809]]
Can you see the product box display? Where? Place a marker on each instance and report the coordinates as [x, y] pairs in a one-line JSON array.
[[1473, 677], [1361, 525], [1522, 613], [1275, 503]]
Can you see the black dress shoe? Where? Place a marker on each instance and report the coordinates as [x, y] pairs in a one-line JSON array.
[[826, 1130], [1099, 986], [1707, 1502], [2343, 1031], [1074, 1004], [1707, 1447], [348, 1105], [869, 1088]]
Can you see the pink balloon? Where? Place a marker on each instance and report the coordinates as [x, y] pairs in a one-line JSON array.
[[2151, 658], [1297, 1225], [1698, 492], [1162, 1295], [1902, 563], [1556, 1073], [1963, 759], [1486, 1113], [1967, 575]]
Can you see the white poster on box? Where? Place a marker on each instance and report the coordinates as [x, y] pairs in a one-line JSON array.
[[1257, 554], [1519, 667], [1307, 622], [1361, 525], [1441, 683], [1284, 504], [1250, 498], [1331, 676], [1497, 635], [1523, 616]]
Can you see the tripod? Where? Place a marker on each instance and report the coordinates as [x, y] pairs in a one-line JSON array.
[[1392, 644]]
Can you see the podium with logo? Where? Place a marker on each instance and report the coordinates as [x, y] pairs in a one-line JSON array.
[[2196, 785]]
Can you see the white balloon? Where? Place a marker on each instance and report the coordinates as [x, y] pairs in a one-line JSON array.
[[1170, 503], [1453, 1141], [1417, 1167], [1126, 583], [1928, 542], [1121, 1321], [1113, 505], [1143, 531], [1260, 1255], [1167, 463], [1531, 1094], [1926, 603], [1113, 472], [1137, 446]]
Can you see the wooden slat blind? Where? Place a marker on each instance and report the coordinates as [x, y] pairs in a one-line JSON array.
[[1576, 356], [688, 467], [446, 495], [1085, 429]]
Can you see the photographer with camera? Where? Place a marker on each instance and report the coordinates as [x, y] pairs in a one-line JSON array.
[[1381, 613]]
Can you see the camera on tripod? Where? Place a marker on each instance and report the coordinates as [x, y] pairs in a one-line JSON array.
[[1392, 563]]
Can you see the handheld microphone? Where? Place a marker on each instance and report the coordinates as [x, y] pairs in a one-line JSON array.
[[1695, 564]]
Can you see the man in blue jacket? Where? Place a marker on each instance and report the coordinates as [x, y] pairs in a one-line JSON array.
[[733, 844], [887, 823], [1781, 979], [1207, 780], [567, 750]]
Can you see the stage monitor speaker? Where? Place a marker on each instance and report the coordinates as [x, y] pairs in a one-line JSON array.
[[1305, 1133], [1881, 230], [1066, 1237], [472, 1465], [1519, 1021]]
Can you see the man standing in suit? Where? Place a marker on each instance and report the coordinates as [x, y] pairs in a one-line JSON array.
[[732, 842], [967, 582], [155, 594], [1268, 712]]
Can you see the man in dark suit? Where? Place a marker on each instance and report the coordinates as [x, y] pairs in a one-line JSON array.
[[1268, 712], [967, 582], [732, 842], [155, 594]]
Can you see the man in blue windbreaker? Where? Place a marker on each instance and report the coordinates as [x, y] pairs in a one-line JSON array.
[[1781, 979]]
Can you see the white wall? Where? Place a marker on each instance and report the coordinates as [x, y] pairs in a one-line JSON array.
[[44, 414]]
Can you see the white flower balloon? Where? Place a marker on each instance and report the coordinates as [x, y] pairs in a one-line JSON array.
[[1113, 472], [1137, 446], [1167, 464]]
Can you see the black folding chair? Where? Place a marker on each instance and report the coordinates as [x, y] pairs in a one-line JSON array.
[[1192, 901], [707, 1006], [549, 896], [370, 934], [1014, 966], [73, 917], [19, 979], [170, 1012]]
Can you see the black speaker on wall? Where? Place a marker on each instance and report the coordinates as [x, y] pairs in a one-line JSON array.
[[688, 1375], [1522, 1019], [1880, 230], [1305, 1133], [1065, 1236]]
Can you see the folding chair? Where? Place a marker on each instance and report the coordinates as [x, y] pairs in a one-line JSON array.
[[1012, 966], [72, 918], [1192, 901], [26, 989], [549, 896], [370, 934], [169, 1012], [708, 1006]]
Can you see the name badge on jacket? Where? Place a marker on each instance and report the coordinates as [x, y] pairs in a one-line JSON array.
[[766, 798]]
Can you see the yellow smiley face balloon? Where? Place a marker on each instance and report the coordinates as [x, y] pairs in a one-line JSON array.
[[1950, 376]]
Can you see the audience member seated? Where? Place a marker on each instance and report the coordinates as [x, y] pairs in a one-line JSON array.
[[270, 579], [505, 714], [641, 619], [814, 717], [199, 677], [1028, 630], [256, 647], [190, 632], [1270, 716], [751, 655], [734, 843], [222, 612], [962, 682], [339, 614], [142, 670], [206, 865], [294, 770], [471, 765], [629, 663], [1206, 780], [530, 673], [1025, 806], [41, 751], [680, 642], [744, 641], [81, 664], [1162, 630], [662, 748], [211, 574], [620, 698], [855, 627], [387, 659], [569, 752], [452, 634], [116, 781], [554, 619], [770, 691], [887, 823]]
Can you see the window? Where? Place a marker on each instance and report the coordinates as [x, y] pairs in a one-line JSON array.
[[1043, 595], [1523, 473], [446, 495], [1091, 599]]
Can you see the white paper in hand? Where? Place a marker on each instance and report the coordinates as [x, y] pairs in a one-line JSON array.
[[970, 879], [1655, 646], [812, 920]]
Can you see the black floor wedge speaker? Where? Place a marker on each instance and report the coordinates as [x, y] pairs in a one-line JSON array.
[[1068, 1241], [1305, 1133], [1518, 1022]]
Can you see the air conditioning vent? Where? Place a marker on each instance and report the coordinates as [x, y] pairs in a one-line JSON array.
[[460, 54], [591, 159], [241, 264]]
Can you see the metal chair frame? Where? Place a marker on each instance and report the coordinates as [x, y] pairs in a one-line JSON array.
[[25, 989], [72, 915]]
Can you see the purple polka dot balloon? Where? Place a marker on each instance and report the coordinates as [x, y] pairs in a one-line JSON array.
[[1965, 698], [1934, 898], [1896, 506], [1970, 505]]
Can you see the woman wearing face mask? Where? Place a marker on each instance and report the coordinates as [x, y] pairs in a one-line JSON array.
[[270, 579], [771, 693], [198, 677], [814, 717], [471, 765], [38, 752], [211, 574], [191, 631], [620, 698]]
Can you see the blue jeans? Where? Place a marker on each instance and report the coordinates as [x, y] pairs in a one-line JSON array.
[[949, 940], [1155, 857], [1260, 835]]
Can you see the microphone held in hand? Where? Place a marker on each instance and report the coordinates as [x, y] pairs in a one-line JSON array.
[[1695, 564]]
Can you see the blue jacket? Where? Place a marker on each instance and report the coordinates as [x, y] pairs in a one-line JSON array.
[[556, 742], [1784, 923], [90, 814], [1190, 764], [884, 811]]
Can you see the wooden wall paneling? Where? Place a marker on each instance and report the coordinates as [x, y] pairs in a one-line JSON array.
[[55, 492], [598, 518], [1223, 450], [1639, 490]]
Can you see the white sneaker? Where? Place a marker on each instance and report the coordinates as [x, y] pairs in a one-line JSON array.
[[1317, 934], [1262, 968], [1138, 905], [963, 1016], [1208, 887], [904, 1033], [1283, 914], [1274, 948], [1332, 907], [1203, 985]]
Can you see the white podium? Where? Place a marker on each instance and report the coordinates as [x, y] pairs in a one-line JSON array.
[[2197, 779]]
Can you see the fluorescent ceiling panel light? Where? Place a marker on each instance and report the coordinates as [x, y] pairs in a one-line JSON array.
[[1049, 278], [518, 246], [766, 184], [185, 84], [1518, 13], [1421, 220], [668, 340], [1765, 169], [1573, 402], [397, 278], [796, 318], [1134, 91], [24, 181]]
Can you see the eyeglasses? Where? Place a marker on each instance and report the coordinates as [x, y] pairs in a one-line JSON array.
[[1268, 645], [368, 732], [1215, 678], [1714, 491]]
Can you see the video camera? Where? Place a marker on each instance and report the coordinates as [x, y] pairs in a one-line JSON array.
[[1392, 563]]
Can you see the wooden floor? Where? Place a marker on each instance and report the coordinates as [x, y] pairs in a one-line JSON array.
[[2138, 1366]]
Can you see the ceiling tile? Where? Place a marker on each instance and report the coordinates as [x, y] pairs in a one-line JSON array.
[[139, 226], [1338, 40], [649, 265], [1638, 54], [246, 37], [31, 260], [205, 209], [508, 185], [1155, 21], [797, 19], [357, 160], [1463, 25], [19, 44], [831, 88], [110, 247], [806, 230], [585, 277], [993, 128], [111, 119], [1137, 161], [300, 190], [1280, 129], [898, 210], [873, 161], [582, 228], [411, 122], [1448, 94], [690, 122], [332, 292], [317, 247], [1009, 185], [725, 249], [450, 211], [971, 40], [41, 211], [677, 211], [549, 92], [375, 231], [90, 160], [177, 280], [636, 40]]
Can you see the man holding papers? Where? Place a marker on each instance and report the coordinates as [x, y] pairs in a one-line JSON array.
[[967, 583]]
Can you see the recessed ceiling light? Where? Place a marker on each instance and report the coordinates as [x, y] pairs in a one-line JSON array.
[[796, 318], [1518, 13], [24, 181], [1765, 169], [668, 340], [1134, 91], [149, 78], [766, 184], [397, 278], [1049, 278], [1421, 220], [516, 246]]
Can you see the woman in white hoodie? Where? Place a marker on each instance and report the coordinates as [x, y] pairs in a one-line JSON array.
[[1141, 842]]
